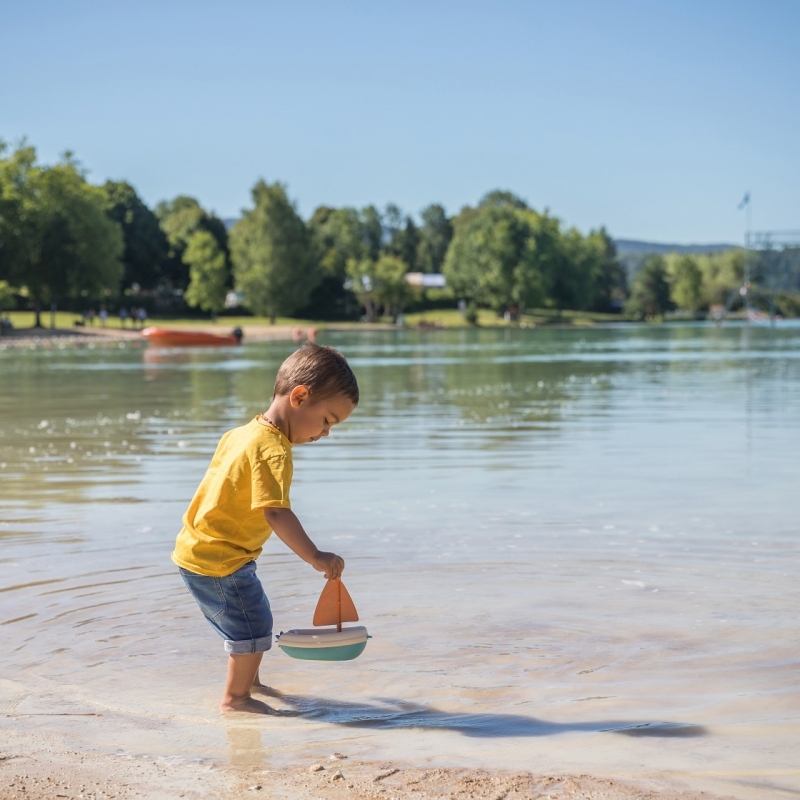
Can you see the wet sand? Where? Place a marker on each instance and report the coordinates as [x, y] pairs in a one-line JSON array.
[[40, 767]]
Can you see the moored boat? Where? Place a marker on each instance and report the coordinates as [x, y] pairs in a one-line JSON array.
[[172, 337]]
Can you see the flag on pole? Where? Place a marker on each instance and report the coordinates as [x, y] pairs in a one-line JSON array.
[[745, 201]]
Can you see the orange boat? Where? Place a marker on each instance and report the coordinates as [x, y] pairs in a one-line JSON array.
[[172, 337]]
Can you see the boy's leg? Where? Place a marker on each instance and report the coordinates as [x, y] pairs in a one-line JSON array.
[[242, 676], [239, 611], [242, 671], [257, 681]]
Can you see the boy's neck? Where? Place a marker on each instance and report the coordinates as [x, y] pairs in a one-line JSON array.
[[278, 415]]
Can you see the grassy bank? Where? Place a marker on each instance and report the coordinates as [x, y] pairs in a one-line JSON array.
[[452, 318], [442, 318], [66, 320]]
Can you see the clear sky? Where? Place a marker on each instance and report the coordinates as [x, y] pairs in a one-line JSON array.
[[651, 118]]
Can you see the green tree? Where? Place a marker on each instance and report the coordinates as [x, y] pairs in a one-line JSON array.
[[584, 272], [687, 284], [434, 238], [563, 261], [404, 243], [393, 221], [336, 238], [58, 242], [6, 295], [146, 247], [208, 272], [493, 257], [573, 283], [372, 231], [393, 289], [400, 236], [180, 219], [19, 221], [502, 199], [723, 274], [15, 195], [609, 279], [272, 255], [379, 283], [362, 281], [650, 293], [505, 254]]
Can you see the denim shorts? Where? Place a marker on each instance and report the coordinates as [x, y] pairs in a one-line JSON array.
[[236, 606]]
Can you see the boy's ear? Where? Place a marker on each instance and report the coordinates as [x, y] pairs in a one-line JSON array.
[[299, 395]]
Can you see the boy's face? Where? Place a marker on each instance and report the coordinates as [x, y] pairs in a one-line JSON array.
[[311, 420]]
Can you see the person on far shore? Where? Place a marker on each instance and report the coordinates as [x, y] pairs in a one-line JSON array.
[[244, 497], [141, 316], [89, 315], [123, 317], [103, 316]]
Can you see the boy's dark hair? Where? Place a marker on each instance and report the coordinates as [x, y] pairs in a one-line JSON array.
[[324, 370]]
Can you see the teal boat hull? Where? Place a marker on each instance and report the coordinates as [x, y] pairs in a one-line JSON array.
[[343, 652]]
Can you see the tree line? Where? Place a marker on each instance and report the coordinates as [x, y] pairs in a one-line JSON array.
[[64, 240]]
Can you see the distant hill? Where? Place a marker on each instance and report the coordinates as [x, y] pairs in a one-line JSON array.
[[632, 252], [636, 247]]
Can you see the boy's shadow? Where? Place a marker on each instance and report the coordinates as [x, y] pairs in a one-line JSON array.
[[391, 713]]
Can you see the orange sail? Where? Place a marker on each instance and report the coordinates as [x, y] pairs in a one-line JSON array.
[[335, 606]]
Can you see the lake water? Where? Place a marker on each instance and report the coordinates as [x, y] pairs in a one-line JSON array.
[[576, 550]]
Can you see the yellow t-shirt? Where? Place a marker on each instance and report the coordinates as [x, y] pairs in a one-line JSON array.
[[224, 526]]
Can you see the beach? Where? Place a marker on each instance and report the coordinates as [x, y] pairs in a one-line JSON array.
[[82, 335], [574, 550], [41, 770]]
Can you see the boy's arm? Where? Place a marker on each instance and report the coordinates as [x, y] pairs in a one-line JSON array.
[[289, 530]]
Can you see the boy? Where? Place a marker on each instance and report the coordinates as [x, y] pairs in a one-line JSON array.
[[244, 496]]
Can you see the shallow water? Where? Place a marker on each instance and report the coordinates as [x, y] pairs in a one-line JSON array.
[[576, 551]]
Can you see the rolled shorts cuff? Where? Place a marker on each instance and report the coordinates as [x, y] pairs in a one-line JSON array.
[[260, 645]]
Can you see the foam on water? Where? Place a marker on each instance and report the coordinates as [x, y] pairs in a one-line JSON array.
[[575, 550]]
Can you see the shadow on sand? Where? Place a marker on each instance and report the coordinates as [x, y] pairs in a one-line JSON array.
[[389, 713]]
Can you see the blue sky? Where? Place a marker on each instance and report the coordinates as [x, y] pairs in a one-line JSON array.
[[651, 118]]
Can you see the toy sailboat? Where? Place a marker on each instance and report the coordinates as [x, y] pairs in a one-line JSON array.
[[334, 607]]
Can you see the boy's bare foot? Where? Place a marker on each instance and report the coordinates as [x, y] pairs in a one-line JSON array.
[[249, 705]]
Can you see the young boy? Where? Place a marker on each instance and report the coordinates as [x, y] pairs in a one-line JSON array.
[[244, 496]]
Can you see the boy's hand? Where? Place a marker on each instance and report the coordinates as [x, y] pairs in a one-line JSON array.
[[328, 563], [289, 530]]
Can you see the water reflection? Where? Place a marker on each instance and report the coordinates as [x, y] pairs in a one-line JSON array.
[[245, 748], [116, 425], [71, 419]]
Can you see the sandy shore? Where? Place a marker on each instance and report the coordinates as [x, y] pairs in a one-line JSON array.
[[49, 337], [37, 766]]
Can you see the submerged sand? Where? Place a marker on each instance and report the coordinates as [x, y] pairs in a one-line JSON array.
[[37, 767]]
